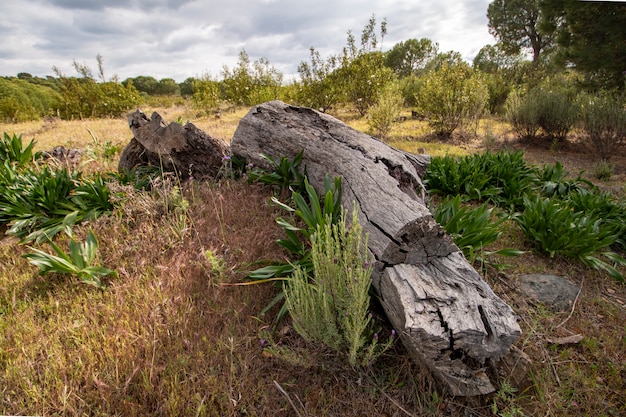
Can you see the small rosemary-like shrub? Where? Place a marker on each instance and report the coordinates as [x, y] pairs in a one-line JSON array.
[[333, 306]]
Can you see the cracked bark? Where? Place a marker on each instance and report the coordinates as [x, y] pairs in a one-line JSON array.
[[447, 316]]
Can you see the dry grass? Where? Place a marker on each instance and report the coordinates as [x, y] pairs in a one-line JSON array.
[[169, 337]]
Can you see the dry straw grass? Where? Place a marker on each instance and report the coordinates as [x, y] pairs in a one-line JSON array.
[[167, 337]]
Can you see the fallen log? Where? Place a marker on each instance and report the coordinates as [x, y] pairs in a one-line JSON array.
[[446, 315]]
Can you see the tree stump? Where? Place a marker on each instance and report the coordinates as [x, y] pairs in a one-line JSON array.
[[186, 150], [446, 315]]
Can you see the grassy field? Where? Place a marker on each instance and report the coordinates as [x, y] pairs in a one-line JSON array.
[[169, 336]]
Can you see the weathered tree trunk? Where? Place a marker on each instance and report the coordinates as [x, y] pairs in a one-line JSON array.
[[447, 316], [184, 149]]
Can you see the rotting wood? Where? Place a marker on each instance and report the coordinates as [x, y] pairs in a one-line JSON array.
[[186, 150], [447, 316]]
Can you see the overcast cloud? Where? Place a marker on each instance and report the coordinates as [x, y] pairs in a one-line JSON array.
[[186, 38]]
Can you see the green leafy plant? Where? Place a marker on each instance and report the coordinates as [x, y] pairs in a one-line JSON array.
[[471, 228], [12, 150], [80, 261], [503, 178], [314, 212], [554, 183], [38, 203], [332, 306], [282, 173], [558, 229]]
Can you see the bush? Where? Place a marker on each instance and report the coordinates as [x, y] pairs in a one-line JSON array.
[[22, 100], [333, 308], [522, 112], [557, 112], [603, 124], [383, 114], [451, 96], [85, 98]]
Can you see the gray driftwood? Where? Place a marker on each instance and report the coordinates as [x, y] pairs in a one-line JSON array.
[[447, 316], [186, 149]]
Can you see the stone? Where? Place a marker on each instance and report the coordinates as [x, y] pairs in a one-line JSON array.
[[556, 293]]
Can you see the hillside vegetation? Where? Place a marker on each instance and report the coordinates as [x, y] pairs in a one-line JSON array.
[[169, 335]]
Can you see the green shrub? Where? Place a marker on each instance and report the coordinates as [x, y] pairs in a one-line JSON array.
[[382, 115], [85, 98], [314, 212], [522, 112], [332, 307], [452, 96], [21, 100], [557, 112], [604, 124], [602, 170]]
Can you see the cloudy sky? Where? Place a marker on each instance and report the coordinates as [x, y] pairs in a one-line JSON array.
[[188, 38]]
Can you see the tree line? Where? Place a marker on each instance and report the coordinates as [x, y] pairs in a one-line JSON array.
[[567, 45]]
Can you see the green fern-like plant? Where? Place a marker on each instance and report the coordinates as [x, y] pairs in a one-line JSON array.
[[332, 305]]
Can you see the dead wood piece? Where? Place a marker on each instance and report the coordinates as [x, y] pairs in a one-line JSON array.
[[186, 149], [447, 315]]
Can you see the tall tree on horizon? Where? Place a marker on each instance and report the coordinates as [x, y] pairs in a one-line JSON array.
[[519, 25], [592, 38]]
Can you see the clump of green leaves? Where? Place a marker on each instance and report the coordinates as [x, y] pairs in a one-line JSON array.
[[471, 228], [332, 306], [12, 150], [502, 178], [38, 202], [80, 261], [558, 229], [283, 173]]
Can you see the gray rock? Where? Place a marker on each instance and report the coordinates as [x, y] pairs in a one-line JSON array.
[[555, 292]]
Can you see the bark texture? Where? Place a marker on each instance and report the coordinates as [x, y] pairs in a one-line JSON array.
[[446, 315], [186, 149]]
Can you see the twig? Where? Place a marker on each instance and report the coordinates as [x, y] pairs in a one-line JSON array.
[[556, 375], [282, 391], [573, 305], [396, 403], [392, 400]]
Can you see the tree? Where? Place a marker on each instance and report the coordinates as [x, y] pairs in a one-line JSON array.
[[167, 87], [249, 84], [317, 88], [410, 56], [521, 24], [362, 74], [593, 38], [451, 96], [143, 83]]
